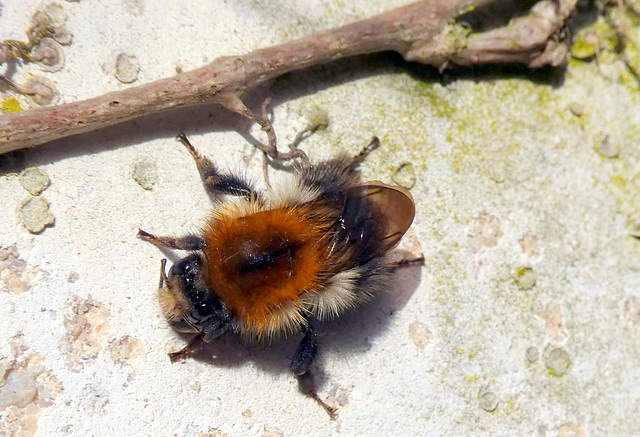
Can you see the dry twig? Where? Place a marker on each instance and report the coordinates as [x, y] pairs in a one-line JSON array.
[[424, 32], [625, 42]]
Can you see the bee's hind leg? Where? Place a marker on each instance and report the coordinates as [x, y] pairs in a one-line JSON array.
[[307, 385], [301, 367], [419, 261], [306, 353]]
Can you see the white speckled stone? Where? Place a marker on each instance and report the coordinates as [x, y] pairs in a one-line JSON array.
[[505, 178]]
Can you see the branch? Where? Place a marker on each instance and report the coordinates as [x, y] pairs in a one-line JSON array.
[[534, 40], [423, 32]]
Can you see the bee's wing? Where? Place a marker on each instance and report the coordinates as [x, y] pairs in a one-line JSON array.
[[396, 208]]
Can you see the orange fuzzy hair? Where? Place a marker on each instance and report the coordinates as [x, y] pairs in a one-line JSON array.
[[263, 298]]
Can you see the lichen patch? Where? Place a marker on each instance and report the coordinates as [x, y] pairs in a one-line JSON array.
[[124, 349], [632, 310], [26, 388], [420, 335], [35, 214], [530, 245], [87, 323], [145, 173], [558, 362], [487, 231], [572, 429], [555, 328], [338, 397], [16, 275], [34, 180]]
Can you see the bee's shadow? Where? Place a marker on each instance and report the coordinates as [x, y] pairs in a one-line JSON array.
[[349, 335]]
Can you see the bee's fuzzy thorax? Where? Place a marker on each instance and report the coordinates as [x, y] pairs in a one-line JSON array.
[[262, 263]]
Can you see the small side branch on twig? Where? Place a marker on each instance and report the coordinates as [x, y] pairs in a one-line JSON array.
[[424, 32], [627, 47]]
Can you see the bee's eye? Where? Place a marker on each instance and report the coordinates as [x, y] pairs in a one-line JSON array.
[[195, 295], [188, 267], [202, 311], [209, 310], [188, 271]]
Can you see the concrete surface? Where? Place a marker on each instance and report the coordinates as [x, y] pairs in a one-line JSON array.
[[524, 321]]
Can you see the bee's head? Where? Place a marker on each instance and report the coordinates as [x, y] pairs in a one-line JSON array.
[[184, 295], [185, 276]]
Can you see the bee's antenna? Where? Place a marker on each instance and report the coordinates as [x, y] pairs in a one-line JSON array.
[[163, 274]]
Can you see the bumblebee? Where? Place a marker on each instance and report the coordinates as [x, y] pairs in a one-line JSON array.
[[270, 263]]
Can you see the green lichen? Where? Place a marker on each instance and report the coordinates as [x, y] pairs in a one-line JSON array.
[[582, 49], [437, 99], [558, 362], [10, 104], [607, 35], [34, 180], [618, 181]]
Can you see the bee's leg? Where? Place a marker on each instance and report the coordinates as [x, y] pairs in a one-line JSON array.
[[307, 351], [194, 344], [188, 242], [301, 367], [217, 183], [294, 150], [419, 261], [233, 103], [308, 387], [360, 157]]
